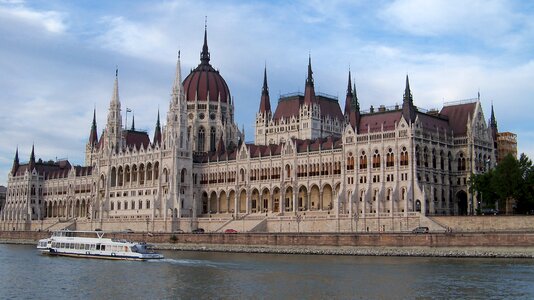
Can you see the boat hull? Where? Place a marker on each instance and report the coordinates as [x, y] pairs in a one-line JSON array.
[[101, 256]]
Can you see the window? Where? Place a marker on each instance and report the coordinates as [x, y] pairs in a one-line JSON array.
[[363, 161], [376, 160], [201, 139], [390, 158]]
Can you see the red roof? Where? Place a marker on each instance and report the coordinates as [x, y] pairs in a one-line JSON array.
[[289, 106], [136, 139], [458, 115], [375, 121]]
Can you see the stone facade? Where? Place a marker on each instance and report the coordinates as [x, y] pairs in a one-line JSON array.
[[309, 161]]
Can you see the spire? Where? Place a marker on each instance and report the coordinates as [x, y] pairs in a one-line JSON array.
[[408, 109], [265, 102], [115, 96], [407, 91], [348, 99], [309, 92], [205, 54], [157, 132], [32, 159], [493, 125], [93, 135], [177, 85], [15, 163], [133, 123], [352, 107], [309, 80]]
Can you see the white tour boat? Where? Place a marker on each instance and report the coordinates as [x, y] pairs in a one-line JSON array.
[[92, 244]]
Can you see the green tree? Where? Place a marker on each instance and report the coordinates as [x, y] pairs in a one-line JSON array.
[[511, 180]]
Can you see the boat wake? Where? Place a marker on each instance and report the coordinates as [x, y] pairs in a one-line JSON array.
[[196, 263]]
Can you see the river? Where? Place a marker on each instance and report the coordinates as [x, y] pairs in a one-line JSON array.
[[26, 274]]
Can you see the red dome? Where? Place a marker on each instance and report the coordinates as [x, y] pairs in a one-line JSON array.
[[205, 80]]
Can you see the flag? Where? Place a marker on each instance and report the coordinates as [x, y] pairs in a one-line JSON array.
[[128, 110]]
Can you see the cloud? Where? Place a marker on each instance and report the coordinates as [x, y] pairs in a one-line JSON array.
[[51, 21]]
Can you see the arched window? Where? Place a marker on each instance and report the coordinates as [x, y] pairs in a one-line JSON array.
[[363, 161], [212, 139], [127, 174], [113, 176], [149, 171], [376, 159], [156, 170], [404, 157], [350, 162], [201, 139], [390, 158], [461, 162], [441, 160]]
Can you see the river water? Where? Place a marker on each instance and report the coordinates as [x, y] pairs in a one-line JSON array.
[[26, 274]]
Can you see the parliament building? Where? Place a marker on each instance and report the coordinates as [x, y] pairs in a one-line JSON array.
[[312, 162]]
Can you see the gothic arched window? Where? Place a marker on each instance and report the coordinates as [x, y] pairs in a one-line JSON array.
[[201, 139]]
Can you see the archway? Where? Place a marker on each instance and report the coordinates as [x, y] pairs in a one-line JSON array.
[[243, 201], [213, 203], [265, 197], [461, 197], [314, 195], [255, 200], [302, 200], [223, 202], [327, 197], [288, 204], [276, 200]]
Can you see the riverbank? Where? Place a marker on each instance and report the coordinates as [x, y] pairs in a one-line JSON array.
[[473, 252], [495, 252]]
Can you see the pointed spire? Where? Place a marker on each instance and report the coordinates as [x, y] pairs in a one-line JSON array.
[[15, 162], [407, 91], [205, 54], [348, 99], [265, 102], [408, 109], [309, 80], [177, 85], [493, 125], [115, 96], [93, 135], [157, 132], [32, 158], [133, 123], [309, 92]]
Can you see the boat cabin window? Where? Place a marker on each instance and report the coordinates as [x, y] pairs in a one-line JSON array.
[[97, 246], [87, 246], [103, 247]]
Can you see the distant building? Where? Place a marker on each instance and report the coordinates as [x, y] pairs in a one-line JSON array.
[[3, 191], [308, 157], [506, 144]]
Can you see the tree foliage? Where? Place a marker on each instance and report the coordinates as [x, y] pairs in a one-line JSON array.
[[511, 179]]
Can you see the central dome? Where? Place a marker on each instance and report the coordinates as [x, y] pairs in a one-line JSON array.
[[204, 81]]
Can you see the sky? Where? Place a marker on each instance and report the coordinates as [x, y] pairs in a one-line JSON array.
[[58, 60]]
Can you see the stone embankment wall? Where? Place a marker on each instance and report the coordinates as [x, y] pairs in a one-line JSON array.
[[492, 239], [486, 223]]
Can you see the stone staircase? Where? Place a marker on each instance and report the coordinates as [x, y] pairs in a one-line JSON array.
[[69, 224], [246, 224]]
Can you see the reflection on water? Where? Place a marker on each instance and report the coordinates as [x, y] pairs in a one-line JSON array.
[[28, 275]]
